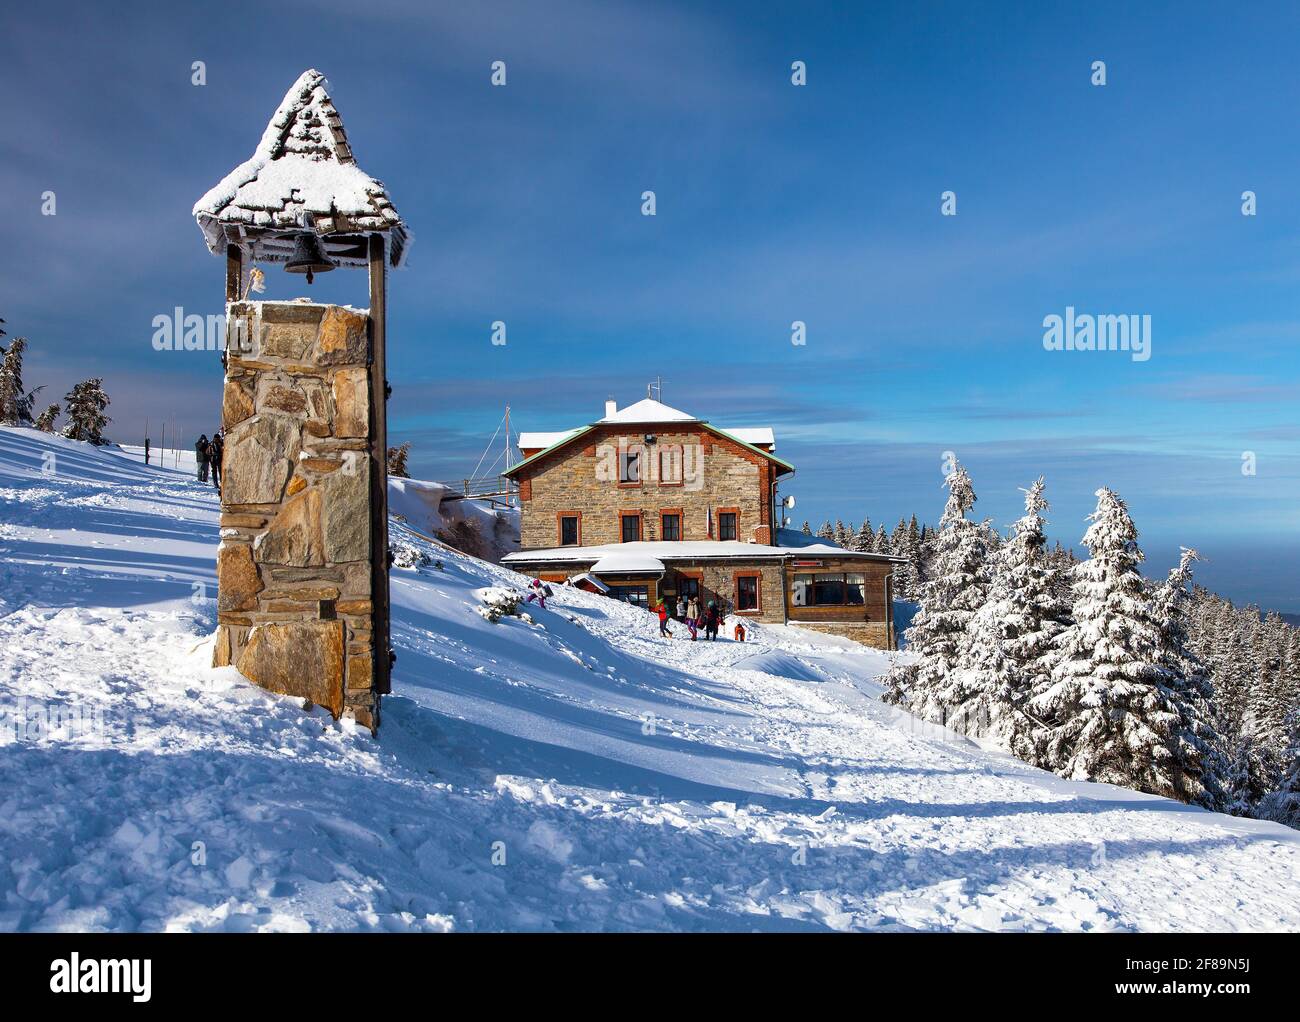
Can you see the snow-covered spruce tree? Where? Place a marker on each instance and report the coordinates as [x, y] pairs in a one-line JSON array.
[[862, 541], [15, 403], [1283, 804], [1190, 680], [1011, 651], [843, 536], [1231, 678], [1111, 709], [907, 575], [1270, 699], [1064, 561], [827, 531], [85, 405], [898, 538], [880, 544], [45, 421], [1248, 780], [924, 554], [956, 588], [807, 529]]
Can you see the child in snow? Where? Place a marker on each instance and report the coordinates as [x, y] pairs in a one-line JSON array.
[[538, 591], [739, 633], [711, 622], [662, 611]]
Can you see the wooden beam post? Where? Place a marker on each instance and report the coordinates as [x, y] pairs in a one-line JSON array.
[[379, 464], [234, 272]]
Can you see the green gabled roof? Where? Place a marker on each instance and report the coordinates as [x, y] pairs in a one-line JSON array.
[[587, 429], [756, 450]]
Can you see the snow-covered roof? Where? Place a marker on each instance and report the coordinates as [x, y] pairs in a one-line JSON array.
[[302, 165], [649, 410], [590, 579], [540, 441], [660, 551], [620, 561], [646, 412], [756, 435]]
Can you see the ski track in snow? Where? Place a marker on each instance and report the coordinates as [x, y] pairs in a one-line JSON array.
[[630, 782]]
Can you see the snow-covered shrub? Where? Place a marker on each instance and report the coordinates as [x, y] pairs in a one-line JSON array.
[[408, 555], [499, 602]]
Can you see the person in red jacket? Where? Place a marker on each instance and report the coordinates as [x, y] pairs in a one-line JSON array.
[[662, 611]]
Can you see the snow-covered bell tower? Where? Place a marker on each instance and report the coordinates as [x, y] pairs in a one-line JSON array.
[[302, 569]]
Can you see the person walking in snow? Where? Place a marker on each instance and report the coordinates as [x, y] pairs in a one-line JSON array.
[[711, 622], [681, 608], [662, 611], [537, 591], [201, 457], [693, 611], [215, 449]]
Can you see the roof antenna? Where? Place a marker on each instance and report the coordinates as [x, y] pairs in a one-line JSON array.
[[655, 389]]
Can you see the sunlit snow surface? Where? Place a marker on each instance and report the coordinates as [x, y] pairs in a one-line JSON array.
[[627, 781]]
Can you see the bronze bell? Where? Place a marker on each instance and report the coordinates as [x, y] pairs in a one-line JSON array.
[[308, 254]]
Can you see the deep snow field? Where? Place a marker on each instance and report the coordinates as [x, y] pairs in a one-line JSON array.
[[569, 772]]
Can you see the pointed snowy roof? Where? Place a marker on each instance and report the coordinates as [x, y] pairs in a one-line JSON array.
[[645, 412], [302, 165], [649, 410]]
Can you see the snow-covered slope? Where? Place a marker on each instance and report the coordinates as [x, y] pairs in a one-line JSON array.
[[569, 772]]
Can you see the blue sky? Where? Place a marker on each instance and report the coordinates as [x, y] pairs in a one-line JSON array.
[[775, 203]]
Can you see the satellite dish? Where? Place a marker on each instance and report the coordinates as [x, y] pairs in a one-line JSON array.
[[789, 501]]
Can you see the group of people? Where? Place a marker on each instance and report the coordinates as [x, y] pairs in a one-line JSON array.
[[709, 619], [208, 455], [689, 613]]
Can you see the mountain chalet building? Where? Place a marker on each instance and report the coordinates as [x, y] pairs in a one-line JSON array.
[[651, 503]]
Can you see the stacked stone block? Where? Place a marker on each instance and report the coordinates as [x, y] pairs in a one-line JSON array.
[[295, 612]]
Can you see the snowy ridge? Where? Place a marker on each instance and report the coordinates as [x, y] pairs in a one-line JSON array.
[[629, 783]]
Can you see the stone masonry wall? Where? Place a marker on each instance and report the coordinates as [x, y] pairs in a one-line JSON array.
[[294, 564], [869, 633]]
